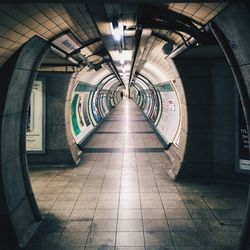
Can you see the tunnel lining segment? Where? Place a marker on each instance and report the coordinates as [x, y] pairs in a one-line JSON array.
[[18, 207]]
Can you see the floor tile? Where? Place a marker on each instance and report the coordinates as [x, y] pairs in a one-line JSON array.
[[104, 225], [73, 239], [101, 239], [181, 225], [132, 239], [155, 239], [156, 225], [130, 225], [153, 213], [129, 214], [187, 239]]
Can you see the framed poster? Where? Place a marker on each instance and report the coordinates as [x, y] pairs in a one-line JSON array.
[[35, 128], [241, 141], [74, 111]]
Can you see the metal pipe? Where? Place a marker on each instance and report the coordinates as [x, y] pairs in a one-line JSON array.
[[182, 48]]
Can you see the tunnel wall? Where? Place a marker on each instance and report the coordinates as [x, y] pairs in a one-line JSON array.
[[90, 105], [207, 137], [61, 150], [19, 215]]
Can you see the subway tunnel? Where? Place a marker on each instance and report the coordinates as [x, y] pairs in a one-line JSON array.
[[124, 125]]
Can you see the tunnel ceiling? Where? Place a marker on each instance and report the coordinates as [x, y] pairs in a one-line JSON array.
[[144, 30]]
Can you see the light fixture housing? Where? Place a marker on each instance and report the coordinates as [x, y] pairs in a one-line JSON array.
[[168, 48]]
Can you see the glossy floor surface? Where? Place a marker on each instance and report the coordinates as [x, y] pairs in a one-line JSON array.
[[120, 197]]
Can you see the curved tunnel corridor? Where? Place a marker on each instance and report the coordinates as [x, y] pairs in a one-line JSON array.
[[124, 126]]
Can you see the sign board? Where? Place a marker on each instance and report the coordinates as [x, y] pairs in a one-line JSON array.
[[242, 142], [67, 42], [35, 129]]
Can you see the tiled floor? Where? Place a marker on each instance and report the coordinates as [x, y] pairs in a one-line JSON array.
[[120, 197]]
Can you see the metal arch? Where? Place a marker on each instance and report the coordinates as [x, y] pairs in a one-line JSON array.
[[159, 18]]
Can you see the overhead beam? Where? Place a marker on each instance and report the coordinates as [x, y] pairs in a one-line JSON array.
[[141, 41], [155, 17], [100, 19], [85, 44]]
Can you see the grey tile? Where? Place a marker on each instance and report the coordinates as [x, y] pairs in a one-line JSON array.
[[130, 225], [132, 239], [181, 225], [107, 204], [170, 196], [187, 239], [195, 203], [216, 239], [99, 248], [151, 204], [129, 196], [156, 239], [101, 239], [150, 196], [70, 248], [73, 239], [130, 204], [129, 214], [129, 248], [78, 226], [229, 214], [156, 225], [82, 214], [207, 225], [103, 214], [177, 213], [104, 225], [153, 213], [200, 213], [85, 204], [61, 204], [173, 204]]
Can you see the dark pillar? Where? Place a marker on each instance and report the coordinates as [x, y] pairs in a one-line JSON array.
[[61, 150], [233, 33], [19, 215]]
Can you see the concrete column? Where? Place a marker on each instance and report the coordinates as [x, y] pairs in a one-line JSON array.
[[196, 79], [19, 215], [61, 150], [207, 141], [233, 22]]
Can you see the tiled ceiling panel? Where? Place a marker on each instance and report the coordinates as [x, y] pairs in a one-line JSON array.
[[19, 22]]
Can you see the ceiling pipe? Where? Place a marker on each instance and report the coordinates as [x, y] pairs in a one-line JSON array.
[[182, 48]]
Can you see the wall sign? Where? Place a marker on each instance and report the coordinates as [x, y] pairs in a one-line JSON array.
[[35, 129]]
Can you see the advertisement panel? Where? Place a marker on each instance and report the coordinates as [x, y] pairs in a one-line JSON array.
[[169, 123], [242, 154], [73, 112], [35, 128]]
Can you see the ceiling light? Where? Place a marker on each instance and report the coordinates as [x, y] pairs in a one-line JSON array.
[[116, 30]]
